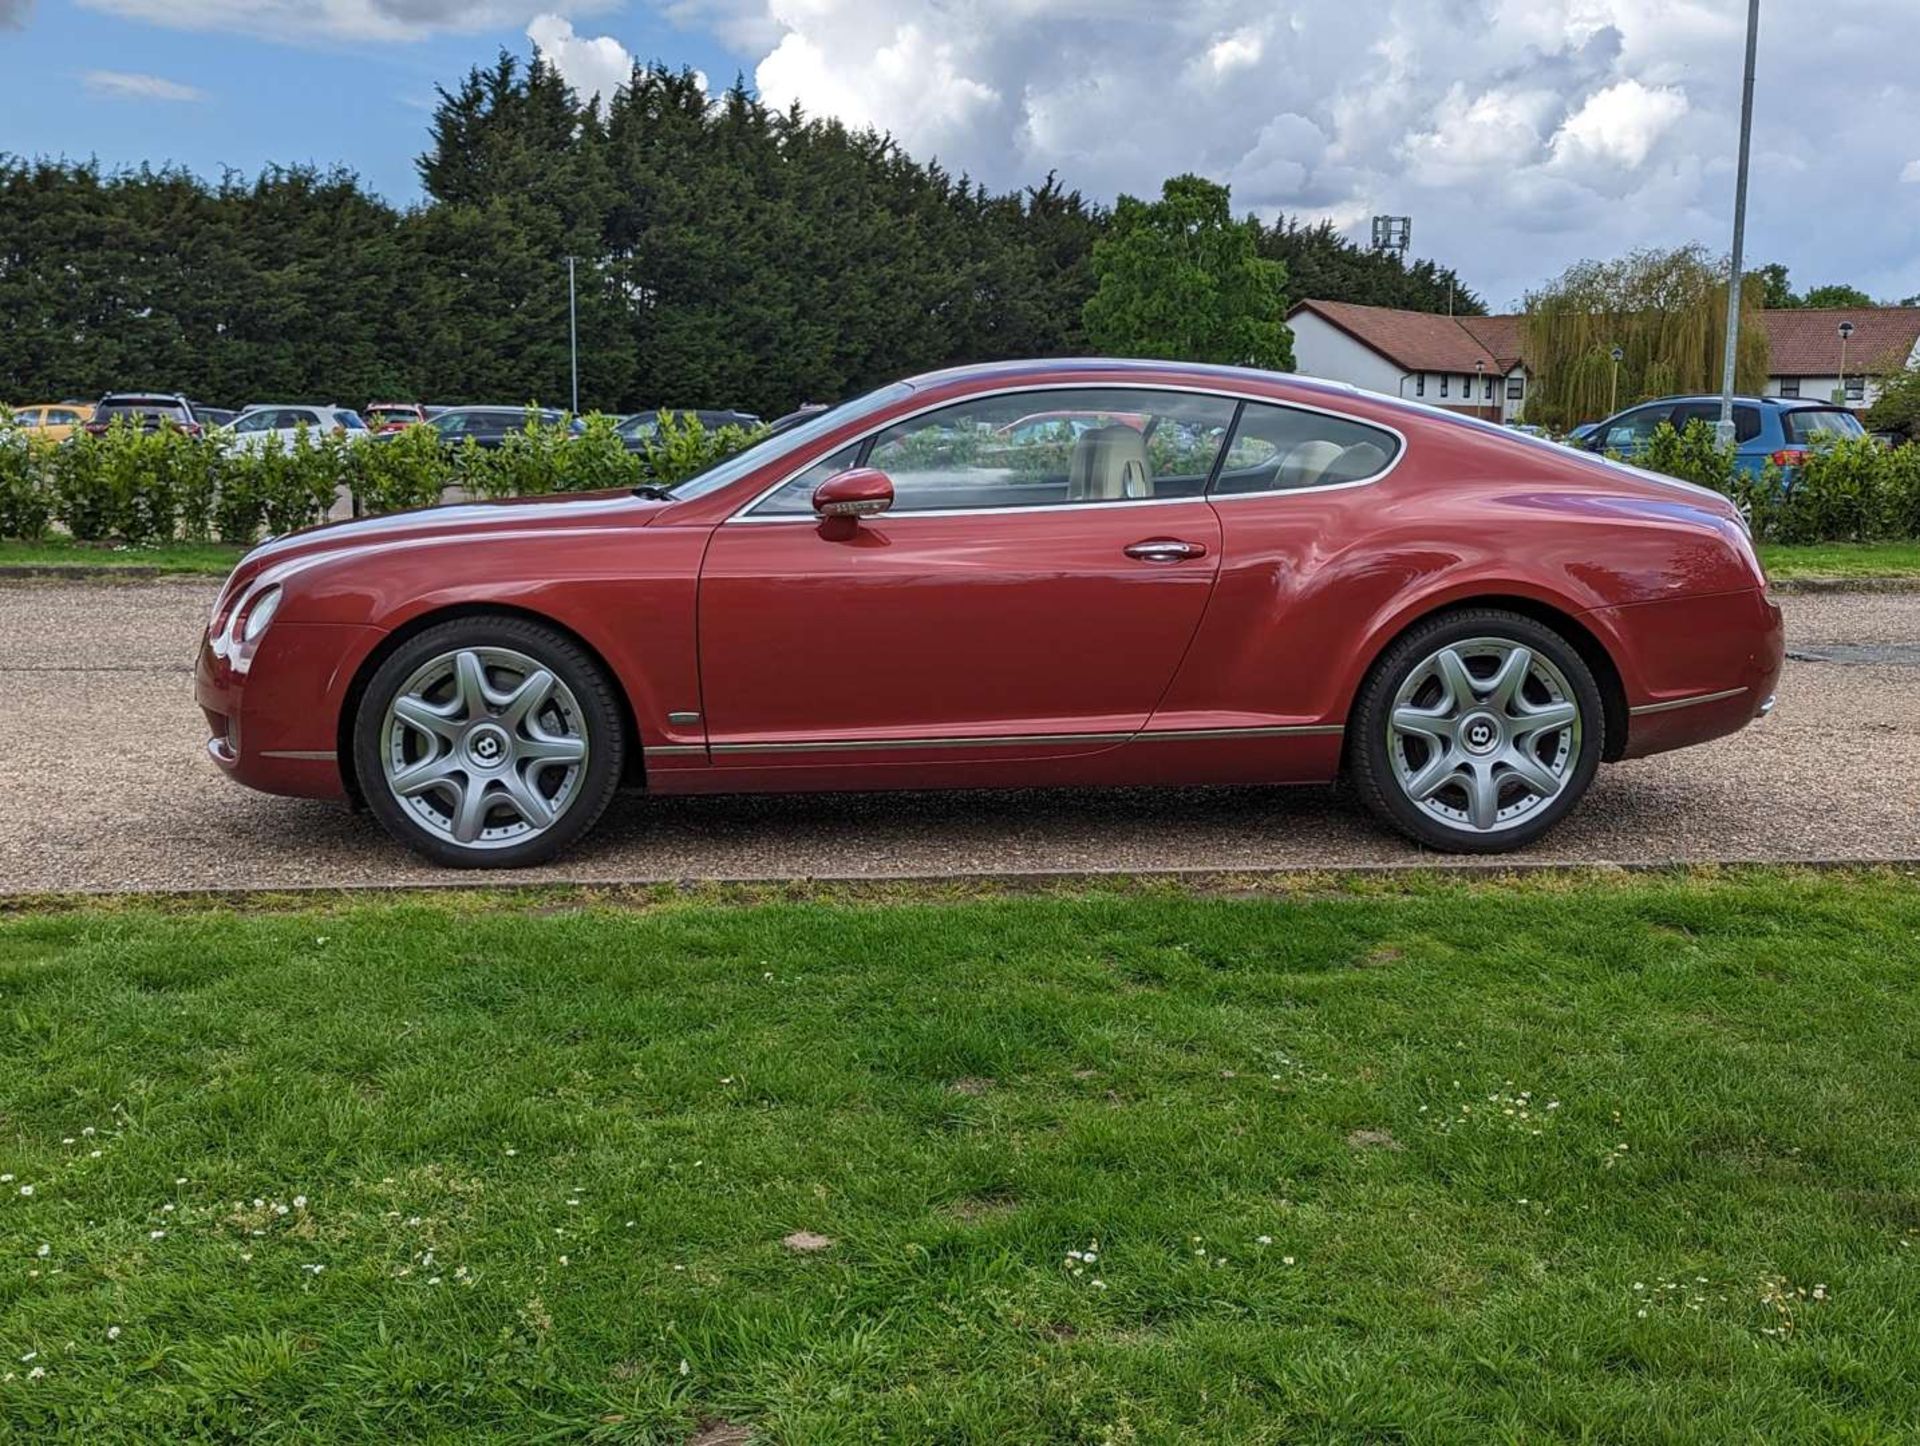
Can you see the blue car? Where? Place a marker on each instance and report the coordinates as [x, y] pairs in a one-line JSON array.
[[1780, 430]]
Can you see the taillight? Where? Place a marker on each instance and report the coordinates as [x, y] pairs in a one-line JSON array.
[[192, 429], [1787, 457]]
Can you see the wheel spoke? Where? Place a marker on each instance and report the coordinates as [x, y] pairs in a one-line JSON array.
[[470, 684], [435, 772], [1504, 690], [420, 714], [1483, 796], [545, 748], [527, 801], [470, 812], [1424, 721], [1434, 775], [1531, 771], [1455, 678], [1544, 719], [528, 699]]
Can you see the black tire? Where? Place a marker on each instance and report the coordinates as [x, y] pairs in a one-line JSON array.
[[1371, 745], [590, 708]]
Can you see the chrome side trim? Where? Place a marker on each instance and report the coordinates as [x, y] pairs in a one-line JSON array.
[[1016, 740], [673, 750], [683, 717], [308, 755], [845, 745], [1225, 393], [1283, 730], [1673, 703]]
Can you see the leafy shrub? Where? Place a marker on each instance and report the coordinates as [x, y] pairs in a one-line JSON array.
[[598, 458], [81, 485], [1834, 495], [25, 505], [681, 446], [411, 469], [1900, 493]]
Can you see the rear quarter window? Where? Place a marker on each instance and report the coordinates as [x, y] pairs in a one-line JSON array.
[[1820, 424], [1282, 449]]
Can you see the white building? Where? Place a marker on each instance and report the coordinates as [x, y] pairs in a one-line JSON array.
[[1468, 363], [1805, 350], [1474, 364]]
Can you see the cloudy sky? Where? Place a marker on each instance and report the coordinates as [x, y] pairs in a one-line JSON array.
[[1521, 135]]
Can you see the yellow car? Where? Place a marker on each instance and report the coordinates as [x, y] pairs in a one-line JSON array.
[[53, 421]]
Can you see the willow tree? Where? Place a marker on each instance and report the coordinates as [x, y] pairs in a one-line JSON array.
[[1665, 310]]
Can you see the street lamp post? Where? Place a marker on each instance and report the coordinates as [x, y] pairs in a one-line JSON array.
[[1479, 370], [573, 338], [1846, 334], [1613, 392], [1725, 427]]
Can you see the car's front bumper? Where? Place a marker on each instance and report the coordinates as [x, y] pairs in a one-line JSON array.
[[275, 725]]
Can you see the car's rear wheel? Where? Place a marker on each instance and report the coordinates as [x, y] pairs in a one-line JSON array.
[[488, 742], [1477, 732]]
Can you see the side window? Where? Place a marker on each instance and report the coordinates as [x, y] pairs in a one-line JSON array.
[[1277, 449], [1043, 448], [350, 420], [1635, 429], [252, 422], [796, 498]]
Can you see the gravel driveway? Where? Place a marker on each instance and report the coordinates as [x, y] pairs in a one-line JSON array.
[[107, 787]]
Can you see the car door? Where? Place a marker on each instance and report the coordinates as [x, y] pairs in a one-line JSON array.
[[1022, 598]]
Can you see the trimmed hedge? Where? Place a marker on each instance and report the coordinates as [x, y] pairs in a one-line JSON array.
[[144, 488], [1848, 491]]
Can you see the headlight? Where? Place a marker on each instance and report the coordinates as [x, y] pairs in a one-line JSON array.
[[254, 621]]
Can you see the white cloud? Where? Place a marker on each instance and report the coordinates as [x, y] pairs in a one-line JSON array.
[[356, 20], [123, 85], [595, 67], [1619, 125], [1910, 173], [1521, 135]]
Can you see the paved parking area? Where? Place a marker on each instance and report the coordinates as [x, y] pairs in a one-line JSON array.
[[105, 785]]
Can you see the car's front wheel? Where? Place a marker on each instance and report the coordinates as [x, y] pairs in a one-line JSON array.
[[488, 742], [1477, 732]]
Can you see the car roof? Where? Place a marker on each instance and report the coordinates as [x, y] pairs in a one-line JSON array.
[[173, 399], [1783, 403]]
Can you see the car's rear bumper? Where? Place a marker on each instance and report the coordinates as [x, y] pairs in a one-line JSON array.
[[1696, 668], [275, 726]]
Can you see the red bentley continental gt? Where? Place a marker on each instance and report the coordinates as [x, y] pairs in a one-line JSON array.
[[1269, 580]]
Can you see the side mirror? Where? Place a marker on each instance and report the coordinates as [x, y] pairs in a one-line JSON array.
[[861, 492]]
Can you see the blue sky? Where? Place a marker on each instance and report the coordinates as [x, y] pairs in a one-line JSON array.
[[1521, 135], [264, 94]]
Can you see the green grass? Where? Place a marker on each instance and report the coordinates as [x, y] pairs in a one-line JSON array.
[[1574, 1158], [209, 559], [1842, 559]]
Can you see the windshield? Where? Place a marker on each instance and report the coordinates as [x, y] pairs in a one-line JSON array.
[[779, 444], [1820, 424]]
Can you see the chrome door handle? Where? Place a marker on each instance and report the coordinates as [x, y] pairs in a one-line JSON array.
[[1165, 549]]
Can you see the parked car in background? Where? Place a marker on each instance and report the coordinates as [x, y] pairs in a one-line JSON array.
[[1578, 435], [149, 411], [52, 421], [211, 417], [1777, 431], [641, 427], [289, 421], [490, 426], [803, 413], [1054, 426], [384, 417], [1319, 581]]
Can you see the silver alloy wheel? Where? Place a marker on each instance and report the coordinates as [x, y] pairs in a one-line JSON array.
[[1483, 734], [484, 747]]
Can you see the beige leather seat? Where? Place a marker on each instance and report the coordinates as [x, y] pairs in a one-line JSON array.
[[1362, 459], [1307, 463], [1109, 464]]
